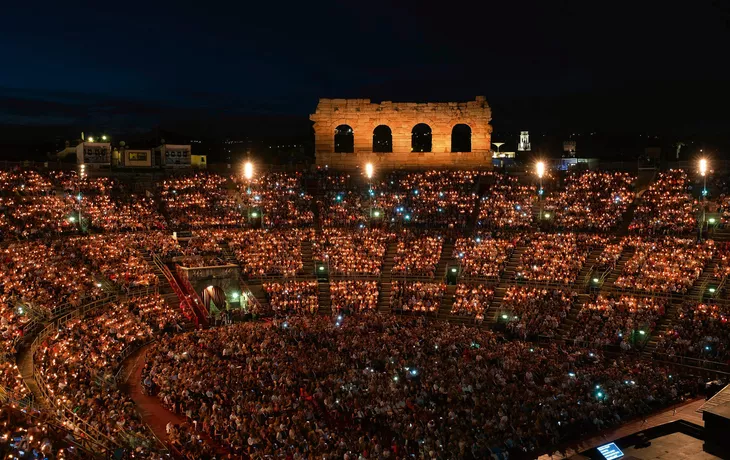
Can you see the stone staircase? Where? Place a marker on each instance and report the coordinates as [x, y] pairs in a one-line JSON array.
[[566, 327], [446, 303], [257, 290], [707, 277], [384, 297], [626, 255], [473, 219], [510, 269], [587, 266], [324, 299], [721, 235], [491, 316], [389, 261], [446, 259], [663, 325], [307, 261], [228, 254]]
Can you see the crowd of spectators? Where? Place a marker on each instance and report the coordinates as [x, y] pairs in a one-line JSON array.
[[556, 257], [592, 200], [617, 320], [699, 331], [536, 311], [665, 265], [292, 297], [483, 257], [722, 268], [417, 255], [369, 384], [443, 199], [507, 204], [343, 208], [117, 259], [353, 296], [416, 296], [472, 300], [268, 252], [373, 386], [38, 277], [200, 200], [31, 434], [280, 197], [356, 252], [609, 256], [78, 365], [666, 207]]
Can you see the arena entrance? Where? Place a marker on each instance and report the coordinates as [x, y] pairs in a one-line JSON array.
[[219, 288]]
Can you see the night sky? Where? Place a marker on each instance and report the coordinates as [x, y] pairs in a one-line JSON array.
[[258, 68]]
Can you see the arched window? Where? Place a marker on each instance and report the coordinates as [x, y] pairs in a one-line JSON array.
[[461, 138], [421, 138], [344, 139], [382, 139]]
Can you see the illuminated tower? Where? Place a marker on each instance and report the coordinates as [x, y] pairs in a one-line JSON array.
[[524, 145]]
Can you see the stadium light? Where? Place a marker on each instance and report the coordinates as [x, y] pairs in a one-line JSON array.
[[248, 170], [369, 169], [103, 138], [540, 169], [91, 139]]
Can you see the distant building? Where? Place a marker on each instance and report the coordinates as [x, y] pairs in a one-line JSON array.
[[199, 161], [137, 158], [524, 144], [94, 153], [569, 147], [173, 156]]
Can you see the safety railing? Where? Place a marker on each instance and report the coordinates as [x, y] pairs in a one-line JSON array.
[[140, 291], [694, 362], [187, 308], [196, 302], [90, 437], [250, 297]]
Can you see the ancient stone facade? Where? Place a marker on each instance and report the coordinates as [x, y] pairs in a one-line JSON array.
[[359, 118]]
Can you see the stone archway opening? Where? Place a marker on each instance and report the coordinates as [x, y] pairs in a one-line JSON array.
[[344, 139], [421, 139], [461, 138], [214, 299], [382, 139]]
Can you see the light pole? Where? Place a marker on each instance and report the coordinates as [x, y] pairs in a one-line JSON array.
[[369, 170], [703, 173], [82, 175], [540, 170]]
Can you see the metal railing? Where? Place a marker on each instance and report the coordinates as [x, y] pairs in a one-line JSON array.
[[91, 438], [707, 364], [196, 303], [187, 308]]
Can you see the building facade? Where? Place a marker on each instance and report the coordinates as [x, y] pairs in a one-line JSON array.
[[393, 135], [94, 154]]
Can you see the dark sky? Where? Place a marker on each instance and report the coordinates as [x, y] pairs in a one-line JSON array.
[[551, 65]]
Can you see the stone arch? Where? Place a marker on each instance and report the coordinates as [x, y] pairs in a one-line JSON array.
[[461, 138], [344, 139], [421, 138], [214, 298], [382, 139]]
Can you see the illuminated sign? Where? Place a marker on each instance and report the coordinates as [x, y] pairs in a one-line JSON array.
[[610, 451]]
